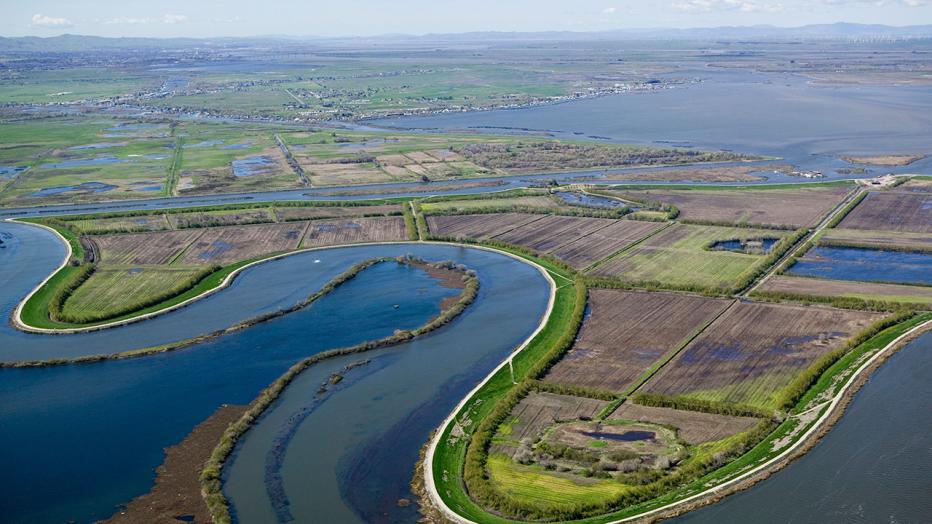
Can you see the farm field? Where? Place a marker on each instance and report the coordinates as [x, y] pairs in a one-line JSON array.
[[533, 482], [220, 158], [627, 333], [679, 256], [700, 174], [114, 290], [898, 240], [551, 232], [333, 232], [539, 410], [144, 248], [543, 202], [753, 351], [785, 208], [869, 291], [477, 226], [287, 214], [223, 245], [604, 242], [693, 427], [892, 211], [127, 224]]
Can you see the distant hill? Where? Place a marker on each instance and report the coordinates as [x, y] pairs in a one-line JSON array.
[[77, 43]]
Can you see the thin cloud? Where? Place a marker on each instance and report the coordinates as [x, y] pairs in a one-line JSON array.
[[745, 6], [609, 10], [146, 20], [40, 20]]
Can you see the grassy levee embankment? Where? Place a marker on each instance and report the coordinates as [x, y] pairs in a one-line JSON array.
[[555, 337], [829, 386]]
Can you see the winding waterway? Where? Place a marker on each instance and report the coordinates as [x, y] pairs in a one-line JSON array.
[[87, 438]]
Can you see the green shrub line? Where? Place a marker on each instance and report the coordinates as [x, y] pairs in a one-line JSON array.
[[572, 390], [751, 456], [749, 277], [791, 394], [423, 232], [510, 193], [68, 286], [210, 477], [862, 304], [650, 205], [410, 222], [704, 406], [847, 209], [720, 187], [828, 242], [741, 224]]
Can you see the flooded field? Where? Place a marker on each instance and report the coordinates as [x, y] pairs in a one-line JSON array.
[[870, 265]]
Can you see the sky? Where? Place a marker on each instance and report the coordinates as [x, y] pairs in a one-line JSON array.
[[213, 18]]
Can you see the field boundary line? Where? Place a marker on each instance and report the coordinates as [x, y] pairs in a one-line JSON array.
[[182, 251], [679, 349], [627, 248]]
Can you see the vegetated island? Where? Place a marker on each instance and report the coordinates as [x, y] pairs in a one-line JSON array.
[[884, 160]]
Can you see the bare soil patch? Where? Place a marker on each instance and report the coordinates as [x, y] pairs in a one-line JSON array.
[[627, 332], [703, 174], [892, 211], [481, 226], [224, 245], [749, 354], [540, 410], [846, 288], [287, 214], [332, 232], [551, 232], [144, 248], [600, 244], [785, 207]]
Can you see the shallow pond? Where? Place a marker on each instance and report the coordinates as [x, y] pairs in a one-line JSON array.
[[582, 199], [253, 165], [81, 162], [754, 246], [870, 265], [627, 436], [93, 187]]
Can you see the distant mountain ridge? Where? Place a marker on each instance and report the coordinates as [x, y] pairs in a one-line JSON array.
[[841, 30]]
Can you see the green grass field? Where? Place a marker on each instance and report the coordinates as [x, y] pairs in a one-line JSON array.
[[679, 256], [535, 483], [113, 291]]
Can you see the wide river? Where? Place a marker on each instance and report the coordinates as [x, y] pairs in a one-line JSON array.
[[80, 440]]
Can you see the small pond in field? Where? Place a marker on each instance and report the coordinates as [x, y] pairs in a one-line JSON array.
[[627, 436], [582, 199], [253, 165], [11, 171], [870, 265], [206, 143], [752, 246], [81, 162], [93, 187], [101, 145]]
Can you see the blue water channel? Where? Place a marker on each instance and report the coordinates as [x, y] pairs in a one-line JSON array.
[[871, 265], [88, 437]]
